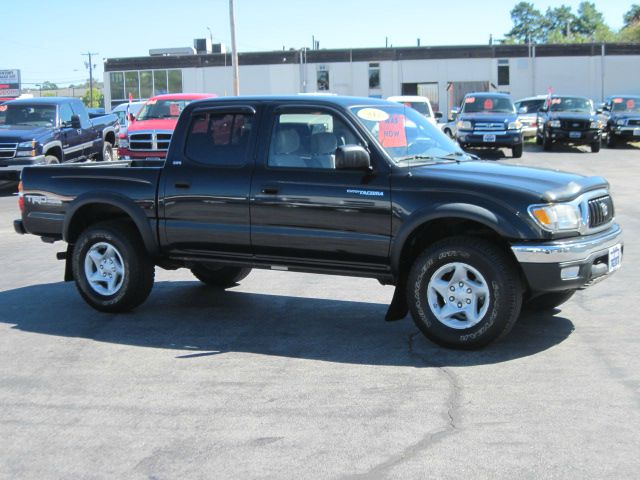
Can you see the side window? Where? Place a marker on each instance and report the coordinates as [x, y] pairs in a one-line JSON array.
[[308, 140], [219, 139], [65, 114]]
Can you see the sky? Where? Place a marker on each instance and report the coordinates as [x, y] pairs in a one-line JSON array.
[[46, 39]]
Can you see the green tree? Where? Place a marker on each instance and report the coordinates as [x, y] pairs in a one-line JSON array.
[[98, 98], [632, 17], [560, 23], [47, 85], [528, 24], [590, 20]]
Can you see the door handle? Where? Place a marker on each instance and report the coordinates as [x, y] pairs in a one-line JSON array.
[[183, 185], [270, 190]]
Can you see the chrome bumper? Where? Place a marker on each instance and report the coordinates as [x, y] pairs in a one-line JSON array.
[[570, 250]]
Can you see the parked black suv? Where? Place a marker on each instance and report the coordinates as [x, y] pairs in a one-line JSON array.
[[337, 185], [623, 119], [489, 120], [569, 119]]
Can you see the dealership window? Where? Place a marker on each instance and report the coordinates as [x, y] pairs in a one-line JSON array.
[[374, 76], [322, 77], [146, 84], [175, 81], [117, 84], [143, 84], [160, 82], [503, 72], [132, 84]]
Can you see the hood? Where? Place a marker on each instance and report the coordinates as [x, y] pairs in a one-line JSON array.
[[542, 185], [21, 133], [624, 115], [572, 116], [490, 117], [153, 124]]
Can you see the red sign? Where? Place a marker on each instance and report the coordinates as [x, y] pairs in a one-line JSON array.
[[488, 104], [630, 104], [392, 133]]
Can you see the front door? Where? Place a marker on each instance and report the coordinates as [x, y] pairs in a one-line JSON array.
[[70, 137], [303, 209], [206, 189]]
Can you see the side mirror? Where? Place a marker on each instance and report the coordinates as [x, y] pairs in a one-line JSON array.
[[522, 110], [598, 111], [352, 157], [542, 109], [131, 118], [454, 114], [438, 115], [75, 122]]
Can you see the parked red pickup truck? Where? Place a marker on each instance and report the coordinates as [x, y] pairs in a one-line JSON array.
[[149, 133]]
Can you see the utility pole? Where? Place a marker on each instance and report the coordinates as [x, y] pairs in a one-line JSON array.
[[90, 66], [234, 50]]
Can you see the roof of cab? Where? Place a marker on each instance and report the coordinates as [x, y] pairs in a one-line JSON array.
[[317, 99], [43, 100]]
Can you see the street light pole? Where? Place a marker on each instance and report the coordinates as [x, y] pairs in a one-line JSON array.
[[234, 50], [90, 66]]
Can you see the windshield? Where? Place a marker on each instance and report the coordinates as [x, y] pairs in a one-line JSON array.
[[162, 109], [531, 106], [486, 103], [626, 104], [419, 106], [571, 104], [406, 135], [30, 115]]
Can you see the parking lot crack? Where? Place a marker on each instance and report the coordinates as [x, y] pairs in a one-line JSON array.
[[451, 416]]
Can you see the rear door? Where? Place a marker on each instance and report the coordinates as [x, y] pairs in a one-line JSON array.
[[303, 209], [88, 135], [206, 187]]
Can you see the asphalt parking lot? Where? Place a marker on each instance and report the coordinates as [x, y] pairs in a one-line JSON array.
[[292, 376]]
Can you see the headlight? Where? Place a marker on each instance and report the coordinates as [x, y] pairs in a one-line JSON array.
[[30, 144], [621, 122], [554, 123], [464, 125], [517, 125], [558, 217], [596, 124], [123, 140]]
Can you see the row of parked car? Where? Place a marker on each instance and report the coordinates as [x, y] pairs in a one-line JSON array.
[[493, 120]]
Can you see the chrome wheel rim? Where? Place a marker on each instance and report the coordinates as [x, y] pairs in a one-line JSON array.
[[458, 295], [104, 269]]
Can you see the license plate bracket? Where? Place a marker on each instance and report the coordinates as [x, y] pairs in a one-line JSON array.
[[575, 134], [615, 257], [489, 138]]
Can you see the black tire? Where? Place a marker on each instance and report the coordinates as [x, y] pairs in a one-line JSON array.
[[448, 133], [221, 277], [612, 141], [547, 143], [516, 151], [595, 146], [107, 152], [538, 140], [51, 160], [500, 277], [548, 301], [138, 269]]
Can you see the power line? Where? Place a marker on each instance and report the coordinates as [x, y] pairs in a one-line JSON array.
[[90, 66]]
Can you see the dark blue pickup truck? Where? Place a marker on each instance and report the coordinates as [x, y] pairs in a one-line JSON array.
[[39, 131], [489, 120]]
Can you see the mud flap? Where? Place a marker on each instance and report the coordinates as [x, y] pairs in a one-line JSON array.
[[399, 307], [68, 269]]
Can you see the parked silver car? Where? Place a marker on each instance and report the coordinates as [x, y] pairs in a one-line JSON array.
[[528, 113]]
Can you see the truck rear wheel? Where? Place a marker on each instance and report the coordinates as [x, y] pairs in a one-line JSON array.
[[111, 267], [464, 293], [548, 301], [222, 276]]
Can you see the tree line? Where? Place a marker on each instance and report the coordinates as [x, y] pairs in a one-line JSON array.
[[563, 25]]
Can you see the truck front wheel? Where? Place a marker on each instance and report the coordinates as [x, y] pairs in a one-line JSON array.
[[464, 292], [111, 267], [220, 276], [107, 152]]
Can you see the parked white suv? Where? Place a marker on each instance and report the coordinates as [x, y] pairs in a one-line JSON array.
[[527, 109], [421, 104]]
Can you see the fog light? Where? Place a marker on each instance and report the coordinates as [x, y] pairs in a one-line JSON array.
[[569, 273]]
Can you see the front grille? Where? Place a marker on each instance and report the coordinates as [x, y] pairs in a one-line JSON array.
[[634, 122], [150, 141], [575, 124], [8, 150], [489, 126], [601, 211]]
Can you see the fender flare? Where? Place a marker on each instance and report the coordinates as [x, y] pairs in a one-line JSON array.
[[128, 206], [54, 143], [508, 227]]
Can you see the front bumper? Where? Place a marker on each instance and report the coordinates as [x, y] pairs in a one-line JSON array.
[[569, 263], [629, 133], [489, 139], [585, 137], [10, 169]]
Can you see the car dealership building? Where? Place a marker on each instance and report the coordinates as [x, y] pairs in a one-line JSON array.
[[443, 74]]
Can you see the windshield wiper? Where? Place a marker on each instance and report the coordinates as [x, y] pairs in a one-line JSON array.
[[450, 157]]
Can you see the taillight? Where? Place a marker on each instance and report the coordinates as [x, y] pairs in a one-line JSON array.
[[21, 196]]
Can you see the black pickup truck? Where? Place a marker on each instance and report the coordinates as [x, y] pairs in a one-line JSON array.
[[39, 131], [622, 114], [569, 119], [337, 185]]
